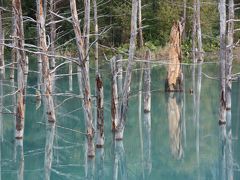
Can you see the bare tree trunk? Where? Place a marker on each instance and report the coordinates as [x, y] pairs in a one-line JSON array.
[[100, 117], [147, 83], [127, 81], [13, 51], [229, 58], [222, 12], [194, 29], [85, 79], [52, 33], [47, 79], [199, 32], [175, 76], [140, 33], [70, 70], [21, 59], [114, 92], [119, 77], [2, 62]]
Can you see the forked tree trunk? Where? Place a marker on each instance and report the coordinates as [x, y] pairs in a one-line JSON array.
[[47, 79], [128, 77], [85, 79], [174, 76], [222, 12], [21, 60]]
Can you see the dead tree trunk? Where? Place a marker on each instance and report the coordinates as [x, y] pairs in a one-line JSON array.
[[147, 83], [13, 51], [194, 29], [47, 79], [229, 58], [2, 62], [140, 33], [21, 60], [52, 33], [114, 92], [100, 117], [199, 32], [127, 81], [174, 77], [222, 12], [85, 79]]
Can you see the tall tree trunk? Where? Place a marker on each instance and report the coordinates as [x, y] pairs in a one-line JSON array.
[[21, 60], [147, 83], [199, 32], [140, 33], [194, 29], [52, 33], [85, 79], [127, 81], [13, 51], [47, 79], [229, 58], [222, 12], [2, 63]]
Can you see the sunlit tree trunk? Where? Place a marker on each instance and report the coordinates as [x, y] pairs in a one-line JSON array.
[[87, 104], [21, 60], [222, 12], [46, 76], [127, 81]]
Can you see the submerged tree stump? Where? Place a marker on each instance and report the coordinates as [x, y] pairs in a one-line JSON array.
[[174, 76]]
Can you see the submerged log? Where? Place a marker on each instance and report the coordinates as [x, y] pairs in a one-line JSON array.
[[174, 76]]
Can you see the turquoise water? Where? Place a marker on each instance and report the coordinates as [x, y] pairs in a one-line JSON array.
[[171, 142]]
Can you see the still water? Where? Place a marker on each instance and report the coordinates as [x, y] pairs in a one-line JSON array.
[[179, 139]]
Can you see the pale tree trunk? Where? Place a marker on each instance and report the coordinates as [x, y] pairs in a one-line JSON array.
[[199, 32], [85, 79], [147, 83], [114, 94], [140, 33], [194, 31], [2, 62], [229, 58], [100, 117], [13, 51], [119, 77], [222, 12], [127, 81], [21, 60], [52, 33], [47, 79]]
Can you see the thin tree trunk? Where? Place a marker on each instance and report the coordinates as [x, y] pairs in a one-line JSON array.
[[119, 77], [47, 79], [70, 70], [127, 81], [147, 83], [13, 51], [199, 32], [114, 92], [2, 63], [100, 117], [222, 12], [140, 33], [52, 33], [229, 54], [21, 59], [194, 29], [85, 79]]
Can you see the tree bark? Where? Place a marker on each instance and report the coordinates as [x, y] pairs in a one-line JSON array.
[[127, 81], [174, 76], [21, 60], [85, 79], [140, 33], [2, 62], [147, 83], [100, 117], [222, 12], [199, 32], [52, 33], [46, 76]]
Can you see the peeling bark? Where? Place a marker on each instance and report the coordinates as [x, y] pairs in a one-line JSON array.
[[174, 77]]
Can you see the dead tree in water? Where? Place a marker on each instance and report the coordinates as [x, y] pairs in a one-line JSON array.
[[84, 66], [128, 77], [174, 76], [21, 60], [222, 12], [47, 79], [147, 83]]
